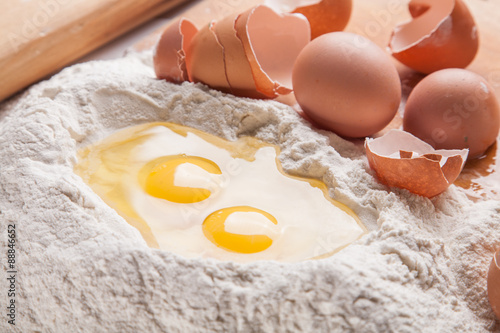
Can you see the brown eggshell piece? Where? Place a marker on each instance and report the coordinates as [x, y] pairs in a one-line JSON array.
[[324, 16], [272, 42], [238, 71], [402, 160], [441, 35], [494, 284], [170, 51], [205, 59], [327, 16]]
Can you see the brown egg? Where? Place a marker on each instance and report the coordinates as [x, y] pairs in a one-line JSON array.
[[402, 160], [347, 84], [454, 109], [170, 51], [494, 284], [441, 35]]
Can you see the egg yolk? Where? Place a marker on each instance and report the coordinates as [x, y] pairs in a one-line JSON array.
[[158, 178], [214, 230]]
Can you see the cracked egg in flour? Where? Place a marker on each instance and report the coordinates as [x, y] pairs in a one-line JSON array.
[[197, 195]]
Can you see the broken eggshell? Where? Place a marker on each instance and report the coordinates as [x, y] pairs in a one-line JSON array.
[[441, 35], [250, 54], [494, 284], [402, 160], [205, 59], [169, 54], [324, 16], [237, 68]]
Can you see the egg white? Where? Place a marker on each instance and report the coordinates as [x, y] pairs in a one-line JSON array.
[[308, 224]]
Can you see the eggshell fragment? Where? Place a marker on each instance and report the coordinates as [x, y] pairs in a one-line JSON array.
[[170, 51], [272, 42], [402, 160], [494, 284], [323, 15], [205, 59], [441, 35], [238, 71], [250, 54]]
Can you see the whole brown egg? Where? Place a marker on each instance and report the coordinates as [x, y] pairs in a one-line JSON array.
[[454, 109], [347, 84]]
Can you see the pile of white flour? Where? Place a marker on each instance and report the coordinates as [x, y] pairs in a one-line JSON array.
[[82, 268]]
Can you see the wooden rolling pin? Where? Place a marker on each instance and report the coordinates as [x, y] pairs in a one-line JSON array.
[[39, 37]]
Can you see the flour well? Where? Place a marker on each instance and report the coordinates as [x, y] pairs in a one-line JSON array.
[[82, 268]]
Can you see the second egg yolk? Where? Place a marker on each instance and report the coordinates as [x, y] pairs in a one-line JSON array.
[[214, 230]]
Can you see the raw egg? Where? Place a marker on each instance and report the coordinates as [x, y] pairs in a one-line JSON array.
[[197, 195], [454, 109], [347, 84]]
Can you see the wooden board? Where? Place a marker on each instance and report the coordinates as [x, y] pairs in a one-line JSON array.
[[375, 19], [39, 37]]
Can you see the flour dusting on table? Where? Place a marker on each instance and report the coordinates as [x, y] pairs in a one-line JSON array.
[[83, 268]]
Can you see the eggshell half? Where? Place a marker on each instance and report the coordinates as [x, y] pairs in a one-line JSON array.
[[205, 59], [238, 70], [494, 284], [272, 42], [250, 54], [441, 35], [169, 54], [327, 16], [323, 15], [402, 160]]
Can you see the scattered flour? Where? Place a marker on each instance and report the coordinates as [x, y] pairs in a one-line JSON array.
[[82, 268]]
